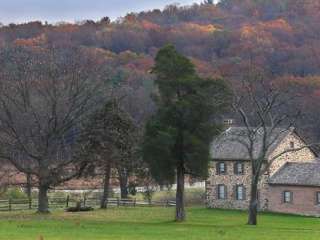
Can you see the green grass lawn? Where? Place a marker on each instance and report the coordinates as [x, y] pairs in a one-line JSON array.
[[153, 224]]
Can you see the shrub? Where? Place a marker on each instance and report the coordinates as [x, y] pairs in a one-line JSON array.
[[194, 196], [79, 208], [14, 193]]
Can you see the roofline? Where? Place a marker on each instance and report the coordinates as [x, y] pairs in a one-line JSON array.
[[294, 185], [280, 169], [229, 159], [294, 131], [232, 159], [289, 184], [302, 139], [272, 149]]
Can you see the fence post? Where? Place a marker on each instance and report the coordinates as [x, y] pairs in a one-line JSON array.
[[30, 203], [134, 202], [167, 203], [118, 201], [67, 202], [10, 204], [84, 200]]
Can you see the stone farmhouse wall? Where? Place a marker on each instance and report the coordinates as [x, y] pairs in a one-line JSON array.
[[304, 155], [303, 201], [230, 179]]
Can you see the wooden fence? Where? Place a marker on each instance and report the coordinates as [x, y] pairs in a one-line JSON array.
[[62, 203]]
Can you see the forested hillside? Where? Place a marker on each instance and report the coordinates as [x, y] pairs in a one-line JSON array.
[[281, 37]]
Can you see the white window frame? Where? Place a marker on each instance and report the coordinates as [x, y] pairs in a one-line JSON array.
[[239, 166], [287, 198], [222, 194], [240, 195], [224, 168]]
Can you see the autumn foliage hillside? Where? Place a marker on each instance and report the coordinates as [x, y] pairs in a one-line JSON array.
[[281, 37]]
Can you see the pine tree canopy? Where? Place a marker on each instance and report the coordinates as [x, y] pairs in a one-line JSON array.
[[181, 130]]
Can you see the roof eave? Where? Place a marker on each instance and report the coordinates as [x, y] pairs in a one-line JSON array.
[[294, 184], [230, 159], [233, 159]]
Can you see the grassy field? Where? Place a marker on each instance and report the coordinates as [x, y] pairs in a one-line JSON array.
[[154, 224]]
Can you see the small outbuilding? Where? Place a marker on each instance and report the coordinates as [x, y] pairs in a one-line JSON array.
[[295, 188]]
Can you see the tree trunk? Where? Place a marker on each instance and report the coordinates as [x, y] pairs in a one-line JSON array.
[[105, 195], [29, 185], [43, 203], [253, 205], [123, 179], [180, 212]]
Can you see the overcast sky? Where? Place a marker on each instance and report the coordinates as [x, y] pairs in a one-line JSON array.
[[18, 11]]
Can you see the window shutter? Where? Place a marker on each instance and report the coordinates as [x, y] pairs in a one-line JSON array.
[[282, 197], [291, 197], [235, 192], [217, 168], [235, 169], [317, 198], [225, 192], [225, 168], [217, 192], [244, 193], [242, 168]]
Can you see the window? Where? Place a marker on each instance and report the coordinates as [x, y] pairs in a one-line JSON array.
[[222, 192], [291, 145], [318, 198], [239, 168], [221, 168], [240, 192], [287, 197]]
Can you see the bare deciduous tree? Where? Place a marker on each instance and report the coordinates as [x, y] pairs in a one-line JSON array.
[[45, 97], [263, 112]]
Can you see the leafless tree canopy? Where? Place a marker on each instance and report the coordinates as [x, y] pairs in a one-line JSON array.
[[264, 112], [44, 100]]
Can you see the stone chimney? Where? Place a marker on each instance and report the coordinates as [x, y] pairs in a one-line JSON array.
[[228, 123]]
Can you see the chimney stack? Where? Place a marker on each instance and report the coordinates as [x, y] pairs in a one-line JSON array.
[[228, 123]]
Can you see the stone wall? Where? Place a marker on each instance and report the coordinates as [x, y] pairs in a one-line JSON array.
[[303, 201], [230, 180], [304, 155]]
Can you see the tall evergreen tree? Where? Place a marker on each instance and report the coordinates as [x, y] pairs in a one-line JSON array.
[[177, 137]]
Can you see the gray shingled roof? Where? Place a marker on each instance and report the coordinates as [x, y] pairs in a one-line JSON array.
[[298, 174], [228, 145]]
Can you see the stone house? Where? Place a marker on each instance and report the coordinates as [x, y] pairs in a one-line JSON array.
[[281, 188]]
